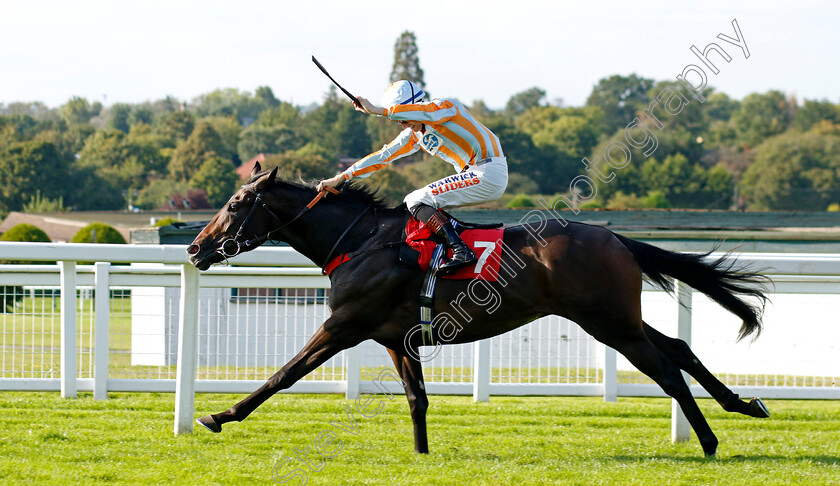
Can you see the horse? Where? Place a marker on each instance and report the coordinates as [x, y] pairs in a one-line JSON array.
[[585, 273]]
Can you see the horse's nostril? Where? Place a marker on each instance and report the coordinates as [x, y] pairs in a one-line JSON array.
[[193, 249]]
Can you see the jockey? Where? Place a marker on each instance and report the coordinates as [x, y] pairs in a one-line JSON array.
[[441, 127]]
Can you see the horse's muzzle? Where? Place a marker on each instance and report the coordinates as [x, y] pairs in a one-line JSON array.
[[201, 259]]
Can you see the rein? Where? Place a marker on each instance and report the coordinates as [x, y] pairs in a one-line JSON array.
[[347, 230], [233, 246]]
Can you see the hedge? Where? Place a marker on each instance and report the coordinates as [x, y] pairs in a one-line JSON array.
[[12, 294], [104, 234]]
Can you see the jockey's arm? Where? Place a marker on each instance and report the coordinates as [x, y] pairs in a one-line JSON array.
[[435, 111], [369, 108], [403, 145], [331, 182]]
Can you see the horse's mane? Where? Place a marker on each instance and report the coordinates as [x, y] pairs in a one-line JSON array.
[[351, 193]]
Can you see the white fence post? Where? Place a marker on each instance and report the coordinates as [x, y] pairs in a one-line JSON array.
[[481, 371], [812, 274], [353, 369], [680, 428], [68, 329], [187, 350], [102, 331], [610, 374]]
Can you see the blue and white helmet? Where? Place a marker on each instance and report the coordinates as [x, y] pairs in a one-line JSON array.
[[402, 93]]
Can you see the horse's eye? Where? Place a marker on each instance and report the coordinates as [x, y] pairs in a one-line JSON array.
[[233, 207]]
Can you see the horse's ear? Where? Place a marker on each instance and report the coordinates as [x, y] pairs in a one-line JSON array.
[[256, 170], [265, 180]]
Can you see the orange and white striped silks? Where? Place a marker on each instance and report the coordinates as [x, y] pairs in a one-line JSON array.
[[451, 133]]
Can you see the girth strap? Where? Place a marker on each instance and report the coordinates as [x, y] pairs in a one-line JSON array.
[[427, 293]]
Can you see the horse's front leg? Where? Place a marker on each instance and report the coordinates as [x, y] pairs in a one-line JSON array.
[[411, 372], [322, 346]]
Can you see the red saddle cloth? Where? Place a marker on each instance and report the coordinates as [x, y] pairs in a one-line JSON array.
[[486, 243]]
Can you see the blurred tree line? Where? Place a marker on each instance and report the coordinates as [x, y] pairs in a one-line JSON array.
[[767, 151]]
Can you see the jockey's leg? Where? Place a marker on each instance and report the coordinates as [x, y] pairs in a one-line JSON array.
[[462, 255], [422, 212], [482, 183]]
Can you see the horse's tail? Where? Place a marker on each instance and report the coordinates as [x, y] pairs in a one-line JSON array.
[[721, 279]]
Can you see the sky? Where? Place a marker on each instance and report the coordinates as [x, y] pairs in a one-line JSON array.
[[118, 51]]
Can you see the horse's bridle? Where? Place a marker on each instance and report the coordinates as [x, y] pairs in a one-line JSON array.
[[234, 246]]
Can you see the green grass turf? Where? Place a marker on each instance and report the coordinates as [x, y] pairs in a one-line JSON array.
[[128, 439]]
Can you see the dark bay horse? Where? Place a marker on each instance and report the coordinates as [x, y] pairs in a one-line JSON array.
[[587, 274]]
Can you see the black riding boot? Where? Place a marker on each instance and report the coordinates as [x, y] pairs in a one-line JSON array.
[[462, 255]]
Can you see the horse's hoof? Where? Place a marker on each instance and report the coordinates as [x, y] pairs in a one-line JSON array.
[[758, 409], [711, 457], [209, 424]]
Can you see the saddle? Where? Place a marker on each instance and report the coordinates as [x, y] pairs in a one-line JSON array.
[[422, 251], [483, 239], [418, 244]]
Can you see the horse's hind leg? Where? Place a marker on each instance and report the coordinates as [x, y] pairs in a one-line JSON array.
[[680, 353], [655, 364], [411, 372]]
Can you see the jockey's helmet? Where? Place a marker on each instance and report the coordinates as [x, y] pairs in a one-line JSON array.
[[401, 93]]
